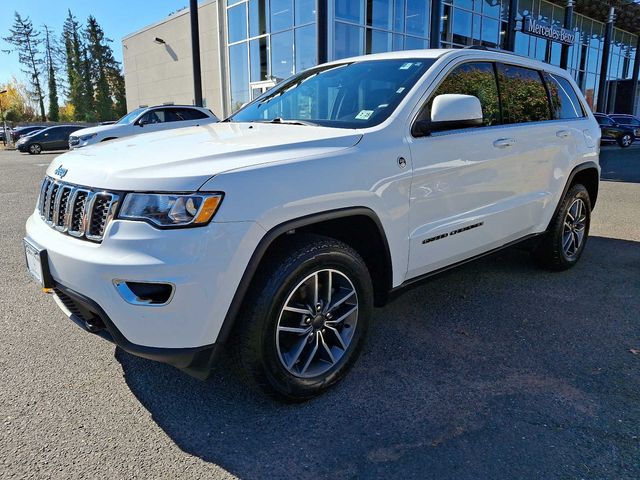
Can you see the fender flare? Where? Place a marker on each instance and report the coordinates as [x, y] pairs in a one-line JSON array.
[[269, 238], [577, 169]]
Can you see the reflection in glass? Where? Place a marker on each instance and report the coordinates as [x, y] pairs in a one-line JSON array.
[[258, 59], [282, 55], [351, 11], [238, 75], [349, 40], [380, 13], [461, 27], [257, 18], [237, 19], [281, 15], [306, 47], [378, 41], [305, 11], [414, 43], [477, 79], [417, 18], [524, 96]]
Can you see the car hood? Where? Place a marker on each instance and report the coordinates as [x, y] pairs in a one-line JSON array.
[[97, 129], [184, 159]]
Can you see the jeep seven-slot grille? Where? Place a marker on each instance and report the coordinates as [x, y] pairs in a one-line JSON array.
[[77, 211]]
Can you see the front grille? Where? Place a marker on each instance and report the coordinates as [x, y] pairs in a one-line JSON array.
[[77, 211]]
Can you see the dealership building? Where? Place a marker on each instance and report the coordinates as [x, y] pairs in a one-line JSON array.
[[247, 46]]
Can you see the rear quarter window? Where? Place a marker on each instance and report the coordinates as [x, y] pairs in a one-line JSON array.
[[564, 100]]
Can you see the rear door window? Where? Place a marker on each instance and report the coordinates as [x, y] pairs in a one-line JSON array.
[[564, 100], [189, 114], [524, 95]]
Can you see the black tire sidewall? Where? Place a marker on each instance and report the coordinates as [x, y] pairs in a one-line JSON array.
[[276, 292], [576, 192]]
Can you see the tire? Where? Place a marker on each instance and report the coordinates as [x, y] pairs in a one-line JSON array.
[[35, 149], [268, 336], [566, 237], [625, 140]]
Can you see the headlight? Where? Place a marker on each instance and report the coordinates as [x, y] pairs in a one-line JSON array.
[[86, 138], [171, 210]]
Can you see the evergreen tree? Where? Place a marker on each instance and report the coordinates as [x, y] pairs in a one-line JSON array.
[[50, 48], [87, 87], [73, 60], [27, 42], [99, 53]]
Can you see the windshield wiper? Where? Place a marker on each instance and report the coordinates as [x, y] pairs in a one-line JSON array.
[[282, 121]]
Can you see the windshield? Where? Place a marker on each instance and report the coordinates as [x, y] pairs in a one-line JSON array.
[[349, 95], [130, 117]]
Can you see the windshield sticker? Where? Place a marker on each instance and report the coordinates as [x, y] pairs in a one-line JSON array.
[[406, 66], [364, 114], [400, 90]]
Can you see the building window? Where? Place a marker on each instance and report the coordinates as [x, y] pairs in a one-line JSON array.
[[237, 23], [238, 75], [306, 47], [281, 15], [282, 66]]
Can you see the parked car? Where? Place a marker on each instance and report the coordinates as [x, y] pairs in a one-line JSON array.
[[18, 132], [50, 138], [144, 120], [2, 134], [614, 132], [627, 121], [276, 231]]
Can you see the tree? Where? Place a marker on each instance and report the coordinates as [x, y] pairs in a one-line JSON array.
[[98, 51], [51, 54], [74, 65], [17, 103], [106, 75], [27, 42]]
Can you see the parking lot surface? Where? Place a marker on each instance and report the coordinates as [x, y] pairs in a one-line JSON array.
[[494, 370]]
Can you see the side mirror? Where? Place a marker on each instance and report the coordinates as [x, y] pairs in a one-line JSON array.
[[141, 122], [451, 112]]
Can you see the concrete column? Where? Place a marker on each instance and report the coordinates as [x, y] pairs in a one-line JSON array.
[[606, 48], [568, 20], [434, 31], [635, 77]]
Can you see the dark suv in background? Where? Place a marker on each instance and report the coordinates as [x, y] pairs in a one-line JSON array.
[[19, 132], [614, 132], [51, 138], [625, 120]]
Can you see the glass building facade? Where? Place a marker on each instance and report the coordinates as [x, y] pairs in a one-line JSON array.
[[269, 40]]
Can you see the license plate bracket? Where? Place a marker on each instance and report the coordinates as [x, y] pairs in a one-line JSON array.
[[38, 264]]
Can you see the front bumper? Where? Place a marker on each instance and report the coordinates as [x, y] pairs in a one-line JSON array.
[[205, 264]]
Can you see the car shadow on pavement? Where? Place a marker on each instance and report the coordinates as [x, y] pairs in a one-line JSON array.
[[494, 370]]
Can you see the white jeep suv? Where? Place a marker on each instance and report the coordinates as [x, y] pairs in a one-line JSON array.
[[276, 231], [144, 120]]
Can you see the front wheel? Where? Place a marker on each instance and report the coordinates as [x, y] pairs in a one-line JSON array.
[[35, 149], [306, 319], [566, 237], [625, 140]]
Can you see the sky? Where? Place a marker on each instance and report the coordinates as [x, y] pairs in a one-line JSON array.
[[116, 17]]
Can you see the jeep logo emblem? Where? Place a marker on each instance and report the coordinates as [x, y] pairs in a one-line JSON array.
[[60, 171]]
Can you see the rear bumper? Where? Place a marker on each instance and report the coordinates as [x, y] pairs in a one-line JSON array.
[[89, 316]]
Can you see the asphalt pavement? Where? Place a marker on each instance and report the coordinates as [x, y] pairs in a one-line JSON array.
[[494, 370]]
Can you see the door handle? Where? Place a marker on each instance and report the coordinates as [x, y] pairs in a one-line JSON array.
[[504, 142], [563, 133]]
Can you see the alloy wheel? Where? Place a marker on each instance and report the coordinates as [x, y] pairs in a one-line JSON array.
[[574, 228], [626, 140], [317, 323]]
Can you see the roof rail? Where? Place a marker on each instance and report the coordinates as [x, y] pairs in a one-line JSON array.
[[483, 47]]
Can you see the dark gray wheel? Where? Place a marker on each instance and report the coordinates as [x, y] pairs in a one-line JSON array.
[[625, 140], [35, 149], [565, 239], [305, 318]]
